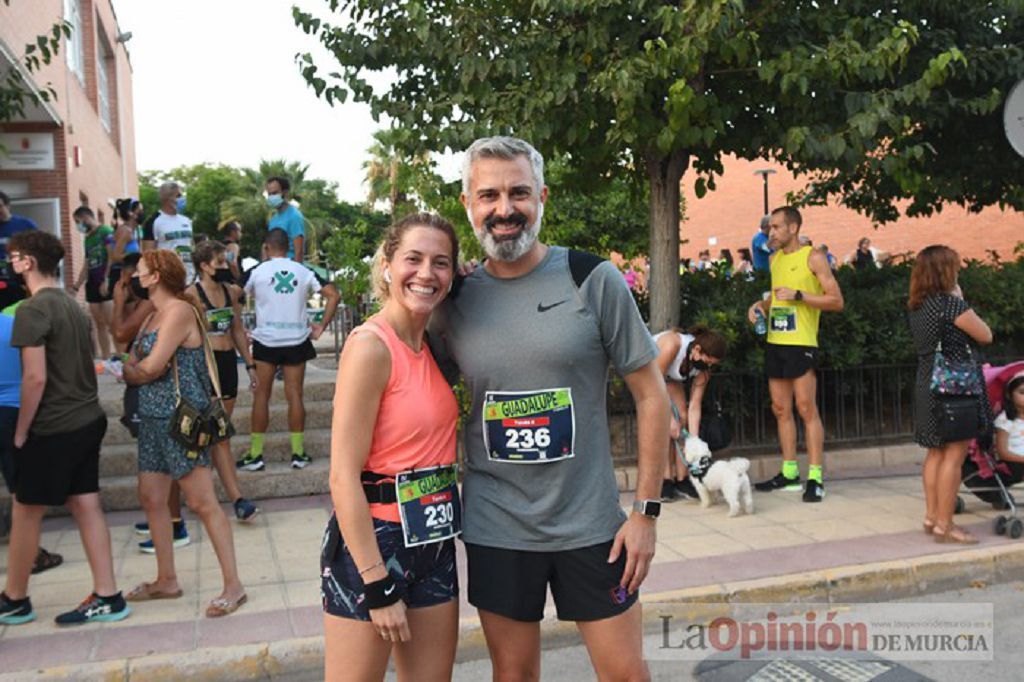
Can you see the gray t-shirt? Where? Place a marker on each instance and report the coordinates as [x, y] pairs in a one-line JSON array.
[[535, 352]]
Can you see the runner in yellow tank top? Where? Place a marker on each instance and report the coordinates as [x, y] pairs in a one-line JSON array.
[[802, 287]]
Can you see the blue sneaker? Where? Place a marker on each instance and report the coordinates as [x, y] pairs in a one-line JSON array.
[[245, 510], [142, 528], [96, 609], [180, 539], [15, 612]]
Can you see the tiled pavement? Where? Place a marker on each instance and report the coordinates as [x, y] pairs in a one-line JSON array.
[[861, 521]]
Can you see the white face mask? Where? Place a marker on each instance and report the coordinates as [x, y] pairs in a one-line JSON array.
[[83, 228]]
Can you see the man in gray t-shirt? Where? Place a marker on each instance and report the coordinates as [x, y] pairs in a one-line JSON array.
[[534, 332]]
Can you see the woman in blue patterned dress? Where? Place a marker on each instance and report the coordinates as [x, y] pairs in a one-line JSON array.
[[172, 334]]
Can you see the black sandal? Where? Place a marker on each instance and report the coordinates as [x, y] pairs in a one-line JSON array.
[[45, 561]]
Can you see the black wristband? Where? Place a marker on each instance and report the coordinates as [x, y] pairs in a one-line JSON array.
[[252, 366], [381, 593]]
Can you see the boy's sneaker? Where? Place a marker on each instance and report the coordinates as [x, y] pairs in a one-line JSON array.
[[780, 482], [96, 609], [686, 490], [245, 510], [15, 612], [180, 539], [301, 461], [251, 462], [142, 528], [814, 492], [669, 492]]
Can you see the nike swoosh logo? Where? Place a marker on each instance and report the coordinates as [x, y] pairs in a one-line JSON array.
[[387, 593], [541, 308]]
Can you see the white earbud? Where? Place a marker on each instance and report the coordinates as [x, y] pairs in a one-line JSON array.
[[387, 276]]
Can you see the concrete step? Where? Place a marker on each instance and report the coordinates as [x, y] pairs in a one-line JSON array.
[[111, 394], [122, 459], [120, 493], [318, 416]]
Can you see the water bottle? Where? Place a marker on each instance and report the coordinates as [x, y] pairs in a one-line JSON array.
[[760, 324]]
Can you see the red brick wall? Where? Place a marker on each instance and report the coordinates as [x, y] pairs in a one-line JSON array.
[[732, 213]]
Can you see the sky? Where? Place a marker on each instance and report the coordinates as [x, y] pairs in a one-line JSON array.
[[216, 81]]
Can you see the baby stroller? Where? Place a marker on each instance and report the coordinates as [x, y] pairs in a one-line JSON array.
[[983, 474]]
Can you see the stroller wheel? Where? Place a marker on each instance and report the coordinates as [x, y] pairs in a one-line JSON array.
[[959, 508], [1016, 527], [1000, 526]]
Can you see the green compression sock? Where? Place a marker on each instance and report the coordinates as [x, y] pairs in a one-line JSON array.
[[298, 443], [256, 444], [790, 469], [814, 473]]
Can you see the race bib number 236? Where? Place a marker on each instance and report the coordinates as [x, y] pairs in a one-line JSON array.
[[532, 427]]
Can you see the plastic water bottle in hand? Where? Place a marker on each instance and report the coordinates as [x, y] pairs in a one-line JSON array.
[[760, 324]]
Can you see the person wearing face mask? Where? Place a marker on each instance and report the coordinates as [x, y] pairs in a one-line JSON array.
[[126, 234], [95, 273], [219, 299], [286, 216], [170, 229], [10, 224], [685, 359], [230, 236]]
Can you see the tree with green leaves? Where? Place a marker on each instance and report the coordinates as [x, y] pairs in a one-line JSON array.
[[874, 101], [15, 92], [391, 174]]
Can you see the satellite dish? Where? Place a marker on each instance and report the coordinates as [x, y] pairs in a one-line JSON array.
[[1013, 117]]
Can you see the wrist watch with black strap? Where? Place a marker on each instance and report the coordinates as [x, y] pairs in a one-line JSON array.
[[799, 295], [649, 508]]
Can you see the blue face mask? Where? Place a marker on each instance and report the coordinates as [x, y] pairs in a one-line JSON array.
[[180, 204], [274, 200]]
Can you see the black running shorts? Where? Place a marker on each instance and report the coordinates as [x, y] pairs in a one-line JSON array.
[[227, 373], [789, 362], [49, 469], [283, 355], [514, 583]]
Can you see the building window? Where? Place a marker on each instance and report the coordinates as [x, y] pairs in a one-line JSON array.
[[104, 94], [73, 52]]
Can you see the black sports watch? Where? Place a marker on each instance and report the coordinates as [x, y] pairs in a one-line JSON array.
[[649, 508], [799, 295]]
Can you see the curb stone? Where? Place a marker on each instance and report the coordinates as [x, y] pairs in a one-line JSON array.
[[884, 580]]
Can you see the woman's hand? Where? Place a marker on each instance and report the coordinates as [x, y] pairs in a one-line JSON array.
[[673, 429], [254, 382], [391, 623]]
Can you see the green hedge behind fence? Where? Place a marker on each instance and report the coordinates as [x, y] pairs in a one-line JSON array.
[[872, 329]]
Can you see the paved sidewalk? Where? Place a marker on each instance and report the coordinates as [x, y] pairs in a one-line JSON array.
[[863, 542]]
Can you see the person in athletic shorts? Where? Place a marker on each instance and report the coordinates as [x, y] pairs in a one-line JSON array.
[[57, 436], [802, 287], [169, 228], [219, 299], [95, 274], [388, 557], [283, 336], [533, 333]]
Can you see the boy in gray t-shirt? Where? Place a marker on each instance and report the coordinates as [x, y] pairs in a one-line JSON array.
[[534, 332]]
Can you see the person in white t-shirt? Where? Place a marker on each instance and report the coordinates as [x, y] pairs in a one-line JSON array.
[[280, 289], [170, 229]]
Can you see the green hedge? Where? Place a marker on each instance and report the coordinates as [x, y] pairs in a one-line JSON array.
[[872, 329]]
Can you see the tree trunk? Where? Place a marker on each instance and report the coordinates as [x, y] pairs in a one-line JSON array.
[[664, 173]]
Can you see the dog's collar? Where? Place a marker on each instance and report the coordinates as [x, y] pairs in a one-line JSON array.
[[699, 469]]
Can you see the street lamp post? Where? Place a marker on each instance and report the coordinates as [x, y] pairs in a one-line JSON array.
[[764, 173]]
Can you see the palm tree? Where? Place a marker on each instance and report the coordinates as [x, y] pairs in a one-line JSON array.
[[390, 173]]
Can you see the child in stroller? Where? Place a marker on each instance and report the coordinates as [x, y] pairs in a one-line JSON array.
[[988, 477]]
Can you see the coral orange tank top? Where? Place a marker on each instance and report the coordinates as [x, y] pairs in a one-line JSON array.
[[417, 418]]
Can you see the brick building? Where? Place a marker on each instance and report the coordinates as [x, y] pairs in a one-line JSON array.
[[79, 148], [729, 217]]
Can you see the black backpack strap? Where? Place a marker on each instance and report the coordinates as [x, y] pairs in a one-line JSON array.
[[581, 264]]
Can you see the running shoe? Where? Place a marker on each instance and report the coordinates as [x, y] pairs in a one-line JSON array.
[[181, 539], [301, 461], [814, 492], [251, 462], [45, 561], [142, 528], [245, 510], [686, 490], [15, 612], [668, 491], [780, 482], [96, 609]]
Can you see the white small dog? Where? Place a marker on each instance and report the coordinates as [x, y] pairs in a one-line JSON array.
[[728, 476]]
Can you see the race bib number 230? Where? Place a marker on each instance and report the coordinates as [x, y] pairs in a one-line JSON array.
[[532, 427]]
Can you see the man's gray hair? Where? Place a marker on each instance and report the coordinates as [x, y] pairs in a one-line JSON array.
[[766, 220], [168, 188], [501, 147]]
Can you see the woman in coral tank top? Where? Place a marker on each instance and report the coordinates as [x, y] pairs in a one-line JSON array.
[[388, 557]]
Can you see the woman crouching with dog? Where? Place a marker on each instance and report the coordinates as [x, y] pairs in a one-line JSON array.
[[388, 557], [168, 359], [685, 359]]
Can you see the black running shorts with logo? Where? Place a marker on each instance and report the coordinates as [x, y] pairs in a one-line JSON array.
[[49, 469], [789, 362], [283, 355], [93, 295], [514, 583], [227, 373], [425, 574]]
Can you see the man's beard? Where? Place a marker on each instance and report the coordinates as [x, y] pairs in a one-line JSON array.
[[512, 248]]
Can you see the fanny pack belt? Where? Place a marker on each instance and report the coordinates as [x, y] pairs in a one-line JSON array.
[[379, 488]]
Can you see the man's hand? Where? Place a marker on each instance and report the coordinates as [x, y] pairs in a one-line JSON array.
[[315, 331], [785, 294], [20, 438], [638, 535], [751, 311], [254, 382]]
